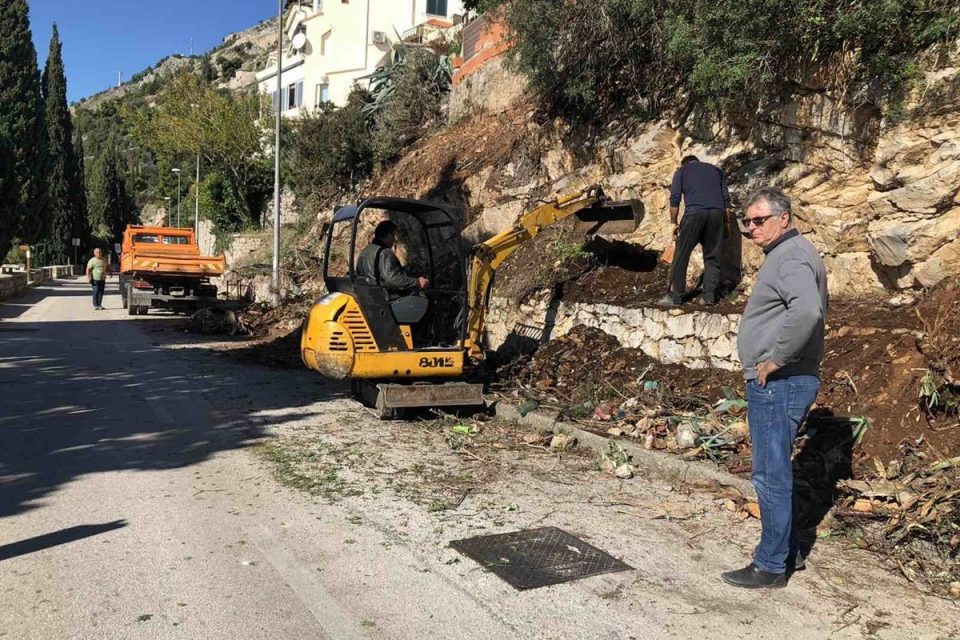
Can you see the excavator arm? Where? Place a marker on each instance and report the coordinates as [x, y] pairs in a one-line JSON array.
[[589, 205]]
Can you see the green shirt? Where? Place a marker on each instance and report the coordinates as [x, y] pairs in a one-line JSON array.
[[96, 267]]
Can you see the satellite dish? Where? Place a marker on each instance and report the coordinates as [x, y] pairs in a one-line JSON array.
[[299, 40]]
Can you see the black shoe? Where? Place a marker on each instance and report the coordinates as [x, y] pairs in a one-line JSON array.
[[753, 577]]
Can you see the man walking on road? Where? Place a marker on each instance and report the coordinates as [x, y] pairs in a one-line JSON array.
[[97, 277], [706, 200], [780, 344]]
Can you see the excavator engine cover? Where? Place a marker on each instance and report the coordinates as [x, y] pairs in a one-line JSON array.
[[610, 218]]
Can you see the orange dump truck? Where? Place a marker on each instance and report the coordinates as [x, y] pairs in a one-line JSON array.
[[161, 267]]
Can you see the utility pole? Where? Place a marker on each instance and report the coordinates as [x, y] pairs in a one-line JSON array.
[[177, 171], [196, 215], [276, 168]]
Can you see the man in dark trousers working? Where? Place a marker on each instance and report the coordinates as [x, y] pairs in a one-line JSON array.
[[703, 188], [780, 343]]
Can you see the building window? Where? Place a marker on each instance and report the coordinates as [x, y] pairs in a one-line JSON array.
[[323, 95], [437, 7], [292, 96]]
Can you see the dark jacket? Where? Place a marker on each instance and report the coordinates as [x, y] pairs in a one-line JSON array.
[[379, 265], [702, 186]]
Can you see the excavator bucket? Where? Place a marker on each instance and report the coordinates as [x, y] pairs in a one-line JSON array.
[[610, 218]]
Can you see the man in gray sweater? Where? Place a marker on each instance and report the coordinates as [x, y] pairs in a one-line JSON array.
[[780, 344]]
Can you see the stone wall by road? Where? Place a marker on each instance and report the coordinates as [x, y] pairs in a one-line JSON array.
[[697, 340], [12, 284]]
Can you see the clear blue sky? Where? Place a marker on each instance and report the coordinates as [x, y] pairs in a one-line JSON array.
[[102, 37]]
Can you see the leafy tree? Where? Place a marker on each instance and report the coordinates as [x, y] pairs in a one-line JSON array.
[[219, 204], [111, 207], [67, 196], [193, 117], [22, 127]]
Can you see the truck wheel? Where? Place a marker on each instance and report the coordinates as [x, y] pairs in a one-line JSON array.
[[128, 301], [123, 295], [143, 309]]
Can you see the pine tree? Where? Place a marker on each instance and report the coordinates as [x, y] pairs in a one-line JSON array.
[[67, 201], [22, 126]]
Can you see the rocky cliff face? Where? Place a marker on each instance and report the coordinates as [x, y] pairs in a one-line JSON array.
[[878, 197]]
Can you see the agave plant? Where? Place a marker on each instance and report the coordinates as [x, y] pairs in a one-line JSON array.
[[382, 81]]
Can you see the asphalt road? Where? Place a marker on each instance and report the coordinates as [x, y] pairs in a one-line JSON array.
[[133, 506], [129, 507]]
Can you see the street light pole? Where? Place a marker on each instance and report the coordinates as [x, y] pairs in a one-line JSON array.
[[177, 171], [276, 153], [196, 215]]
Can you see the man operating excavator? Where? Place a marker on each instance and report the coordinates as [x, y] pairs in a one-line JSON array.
[[379, 265]]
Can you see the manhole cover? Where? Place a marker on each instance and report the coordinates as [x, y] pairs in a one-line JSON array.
[[538, 557]]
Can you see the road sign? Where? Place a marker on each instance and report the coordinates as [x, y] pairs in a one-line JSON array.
[[76, 242]]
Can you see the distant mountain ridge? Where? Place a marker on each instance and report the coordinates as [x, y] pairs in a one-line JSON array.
[[232, 64]]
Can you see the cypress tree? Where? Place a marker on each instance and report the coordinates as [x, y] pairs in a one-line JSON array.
[[82, 221], [8, 194], [66, 206], [22, 125], [111, 207]]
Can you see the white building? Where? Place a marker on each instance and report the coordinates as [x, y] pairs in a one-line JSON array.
[[330, 44]]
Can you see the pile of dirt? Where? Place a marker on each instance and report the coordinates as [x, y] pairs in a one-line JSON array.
[[270, 335], [940, 314], [587, 367], [439, 165], [878, 353], [593, 271]]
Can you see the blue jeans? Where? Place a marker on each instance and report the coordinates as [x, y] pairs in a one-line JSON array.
[[98, 287], [775, 412]]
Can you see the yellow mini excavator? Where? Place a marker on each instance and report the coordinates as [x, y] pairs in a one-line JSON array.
[[423, 349]]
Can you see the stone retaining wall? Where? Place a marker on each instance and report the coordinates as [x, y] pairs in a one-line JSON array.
[[13, 282], [697, 340]]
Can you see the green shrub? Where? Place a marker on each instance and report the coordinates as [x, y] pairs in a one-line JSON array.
[[407, 99], [592, 59], [329, 151], [229, 66]]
